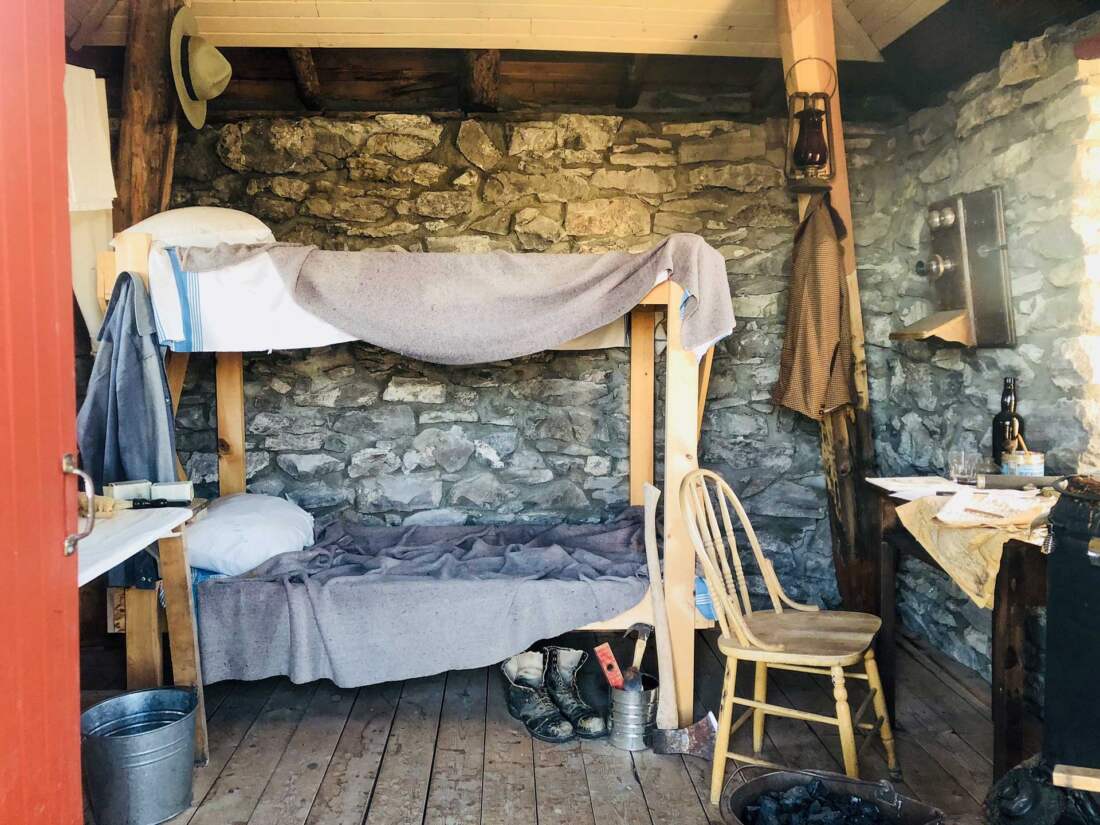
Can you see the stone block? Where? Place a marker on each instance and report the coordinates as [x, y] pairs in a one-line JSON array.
[[443, 204], [450, 449], [735, 145], [373, 461], [417, 390], [306, 466], [635, 181], [476, 145], [740, 177], [416, 491], [618, 217]]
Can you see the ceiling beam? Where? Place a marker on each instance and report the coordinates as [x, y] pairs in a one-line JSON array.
[[90, 23], [480, 80], [306, 79], [633, 73]]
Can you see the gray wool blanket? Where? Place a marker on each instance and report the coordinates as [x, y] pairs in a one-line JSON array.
[[476, 308], [375, 604]]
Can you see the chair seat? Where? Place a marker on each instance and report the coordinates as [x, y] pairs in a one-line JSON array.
[[823, 638]]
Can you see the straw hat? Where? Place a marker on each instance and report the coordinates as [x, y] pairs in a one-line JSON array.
[[200, 71]]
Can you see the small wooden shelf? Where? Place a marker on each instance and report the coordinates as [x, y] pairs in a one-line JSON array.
[[952, 325]]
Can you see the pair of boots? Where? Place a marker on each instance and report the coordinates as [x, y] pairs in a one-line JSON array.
[[542, 693]]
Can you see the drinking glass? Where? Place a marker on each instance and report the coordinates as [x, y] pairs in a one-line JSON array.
[[961, 464]]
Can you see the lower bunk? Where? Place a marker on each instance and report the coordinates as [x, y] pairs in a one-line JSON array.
[[374, 604]]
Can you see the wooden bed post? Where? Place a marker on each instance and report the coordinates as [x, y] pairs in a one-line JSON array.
[[847, 448], [681, 444], [229, 386], [641, 402]]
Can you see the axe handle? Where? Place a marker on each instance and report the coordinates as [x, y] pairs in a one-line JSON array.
[[667, 716]]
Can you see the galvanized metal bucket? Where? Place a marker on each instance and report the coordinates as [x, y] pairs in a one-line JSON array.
[[633, 715], [895, 808], [138, 751]]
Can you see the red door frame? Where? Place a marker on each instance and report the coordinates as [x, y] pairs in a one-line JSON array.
[[39, 671]]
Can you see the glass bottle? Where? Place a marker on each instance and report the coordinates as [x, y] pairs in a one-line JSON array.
[[1007, 423]]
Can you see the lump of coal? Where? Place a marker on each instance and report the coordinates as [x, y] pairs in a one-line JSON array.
[[811, 804]]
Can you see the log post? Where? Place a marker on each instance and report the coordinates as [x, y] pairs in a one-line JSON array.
[[306, 78], [147, 135], [481, 80], [630, 88], [847, 448]]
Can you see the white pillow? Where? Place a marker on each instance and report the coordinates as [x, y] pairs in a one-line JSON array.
[[240, 532], [204, 226]]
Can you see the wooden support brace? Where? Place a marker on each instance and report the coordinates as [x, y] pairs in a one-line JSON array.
[[847, 448], [681, 430], [144, 654], [229, 385], [182, 632], [704, 385], [176, 369]]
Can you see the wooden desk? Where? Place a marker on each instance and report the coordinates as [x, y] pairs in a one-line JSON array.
[[1021, 584], [113, 541]]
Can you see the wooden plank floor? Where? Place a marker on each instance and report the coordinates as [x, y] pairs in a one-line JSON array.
[[443, 750]]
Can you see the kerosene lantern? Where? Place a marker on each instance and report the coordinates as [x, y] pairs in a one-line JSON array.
[[809, 165]]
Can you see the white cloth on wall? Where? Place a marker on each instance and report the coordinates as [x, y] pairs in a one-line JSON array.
[[91, 185], [91, 181], [89, 233]]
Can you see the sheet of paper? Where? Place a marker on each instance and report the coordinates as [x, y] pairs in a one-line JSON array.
[[910, 488], [993, 508]]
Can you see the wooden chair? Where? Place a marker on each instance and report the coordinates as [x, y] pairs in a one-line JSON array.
[[788, 636]]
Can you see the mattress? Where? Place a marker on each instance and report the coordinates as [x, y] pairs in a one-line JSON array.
[[368, 605]]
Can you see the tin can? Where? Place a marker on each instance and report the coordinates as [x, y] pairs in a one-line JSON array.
[[1023, 464]]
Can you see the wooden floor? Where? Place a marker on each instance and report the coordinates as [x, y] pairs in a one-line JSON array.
[[444, 750]]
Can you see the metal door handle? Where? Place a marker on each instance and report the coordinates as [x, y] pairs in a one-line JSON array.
[[68, 465]]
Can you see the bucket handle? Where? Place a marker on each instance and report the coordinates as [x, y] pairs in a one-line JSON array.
[[885, 792]]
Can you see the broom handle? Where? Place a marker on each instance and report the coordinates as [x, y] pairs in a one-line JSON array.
[[667, 716]]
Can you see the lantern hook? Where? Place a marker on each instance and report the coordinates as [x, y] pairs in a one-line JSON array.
[[832, 71]]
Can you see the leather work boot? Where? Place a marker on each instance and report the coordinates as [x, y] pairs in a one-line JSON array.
[[561, 682], [528, 700]]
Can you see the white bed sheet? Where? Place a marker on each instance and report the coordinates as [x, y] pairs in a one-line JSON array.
[[249, 308]]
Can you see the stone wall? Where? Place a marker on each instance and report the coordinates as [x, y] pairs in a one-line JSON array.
[[361, 433], [1019, 126]]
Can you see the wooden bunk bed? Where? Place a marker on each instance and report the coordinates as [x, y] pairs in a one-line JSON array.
[[686, 386]]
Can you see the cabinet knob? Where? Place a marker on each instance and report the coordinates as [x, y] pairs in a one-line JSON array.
[[935, 266]]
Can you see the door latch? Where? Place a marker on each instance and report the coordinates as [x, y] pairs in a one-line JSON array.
[[68, 466]]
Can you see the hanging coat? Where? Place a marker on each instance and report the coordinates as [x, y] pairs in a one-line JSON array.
[[125, 429], [815, 368]]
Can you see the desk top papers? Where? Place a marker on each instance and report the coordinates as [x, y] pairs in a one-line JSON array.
[[910, 488], [994, 508]]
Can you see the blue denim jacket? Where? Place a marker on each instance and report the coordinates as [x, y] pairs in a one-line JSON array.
[[125, 428]]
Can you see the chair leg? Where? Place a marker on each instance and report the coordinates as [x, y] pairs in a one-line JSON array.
[[844, 723], [884, 728], [760, 694], [722, 737]]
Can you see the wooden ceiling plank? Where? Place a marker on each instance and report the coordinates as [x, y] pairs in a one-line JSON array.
[[883, 10], [854, 33], [893, 29], [861, 8], [91, 22]]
